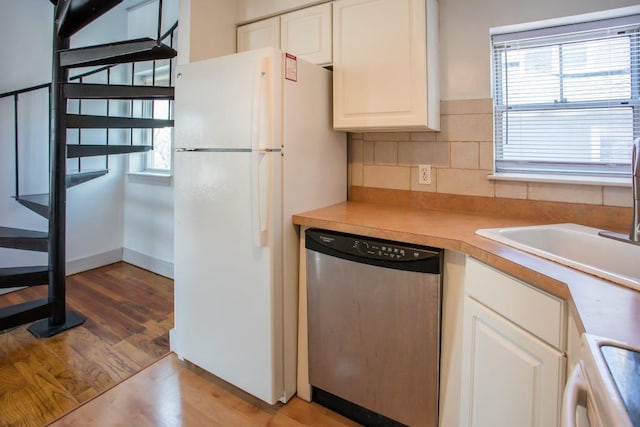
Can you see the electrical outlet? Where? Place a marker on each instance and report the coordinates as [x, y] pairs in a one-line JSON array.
[[424, 174]]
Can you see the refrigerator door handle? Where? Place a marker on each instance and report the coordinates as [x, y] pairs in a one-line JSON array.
[[260, 199], [261, 74]]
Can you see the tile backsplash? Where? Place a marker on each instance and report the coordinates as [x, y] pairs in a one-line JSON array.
[[461, 157]]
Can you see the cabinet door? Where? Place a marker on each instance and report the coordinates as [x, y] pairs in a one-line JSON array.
[[265, 33], [509, 377], [306, 33], [385, 65]]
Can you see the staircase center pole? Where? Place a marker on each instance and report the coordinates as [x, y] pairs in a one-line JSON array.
[[59, 319], [57, 184]]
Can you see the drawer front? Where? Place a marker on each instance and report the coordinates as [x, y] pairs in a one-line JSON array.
[[538, 312]]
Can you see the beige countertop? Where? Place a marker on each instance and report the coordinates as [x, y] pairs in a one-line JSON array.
[[600, 307]]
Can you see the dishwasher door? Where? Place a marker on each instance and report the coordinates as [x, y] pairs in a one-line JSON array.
[[374, 310]]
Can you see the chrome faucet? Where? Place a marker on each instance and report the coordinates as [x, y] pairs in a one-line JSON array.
[[634, 235], [635, 185]]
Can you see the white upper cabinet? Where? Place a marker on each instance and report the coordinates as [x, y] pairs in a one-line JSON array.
[[265, 33], [306, 33], [385, 65]]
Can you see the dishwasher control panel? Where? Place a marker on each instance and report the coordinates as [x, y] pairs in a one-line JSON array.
[[371, 248]]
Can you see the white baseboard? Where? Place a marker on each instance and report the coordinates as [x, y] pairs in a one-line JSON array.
[[158, 266], [173, 343], [94, 261], [141, 260]]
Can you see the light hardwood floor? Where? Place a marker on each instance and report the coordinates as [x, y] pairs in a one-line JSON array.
[[94, 375], [129, 313], [175, 393]]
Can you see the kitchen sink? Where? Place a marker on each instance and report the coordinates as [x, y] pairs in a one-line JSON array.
[[576, 246]]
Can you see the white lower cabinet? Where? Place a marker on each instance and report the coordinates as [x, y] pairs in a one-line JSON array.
[[513, 359], [510, 377]]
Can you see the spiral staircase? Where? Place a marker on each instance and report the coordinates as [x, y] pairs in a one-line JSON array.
[[50, 314]]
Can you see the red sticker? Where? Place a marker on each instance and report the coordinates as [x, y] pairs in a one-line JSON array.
[[290, 67]]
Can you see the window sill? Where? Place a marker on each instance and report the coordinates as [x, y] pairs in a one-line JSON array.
[[152, 178], [562, 179]]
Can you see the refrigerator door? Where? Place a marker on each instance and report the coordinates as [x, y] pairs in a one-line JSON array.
[[227, 102], [228, 292]]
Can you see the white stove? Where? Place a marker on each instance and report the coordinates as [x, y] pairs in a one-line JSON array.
[[606, 382]]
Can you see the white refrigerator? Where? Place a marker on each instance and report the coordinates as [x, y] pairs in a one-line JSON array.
[[254, 145]]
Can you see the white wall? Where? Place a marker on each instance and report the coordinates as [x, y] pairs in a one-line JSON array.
[[148, 237], [30, 22], [95, 209], [208, 28], [22, 18], [148, 200], [464, 36]]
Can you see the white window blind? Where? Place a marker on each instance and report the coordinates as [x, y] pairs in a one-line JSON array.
[[567, 98]]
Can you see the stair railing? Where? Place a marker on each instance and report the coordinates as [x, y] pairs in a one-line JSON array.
[[54, 305], [161, 37], [15, 94], [81, 79]]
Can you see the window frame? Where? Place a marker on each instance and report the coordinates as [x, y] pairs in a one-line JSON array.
[[527, 170], [149, 139], [139, 164]]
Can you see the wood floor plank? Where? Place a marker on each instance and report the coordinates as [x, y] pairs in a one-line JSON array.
[[312, 414], [13, 410], [132, 284], [141, 356], [184, 395], [87, 376], [47, 392], [108, 311], [41, 379], [117, 366]]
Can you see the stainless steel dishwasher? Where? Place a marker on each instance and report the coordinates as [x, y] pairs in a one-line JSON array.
[[374, 309]]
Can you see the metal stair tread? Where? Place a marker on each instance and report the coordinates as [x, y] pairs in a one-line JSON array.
[[38, 203], [85, 121], [11, 271], [17, 314], [10, 233], [42, 199], [90, 150], [80, 13], [23, 276], [76, 178], [143, 49], [112, 91], [29, 240]]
